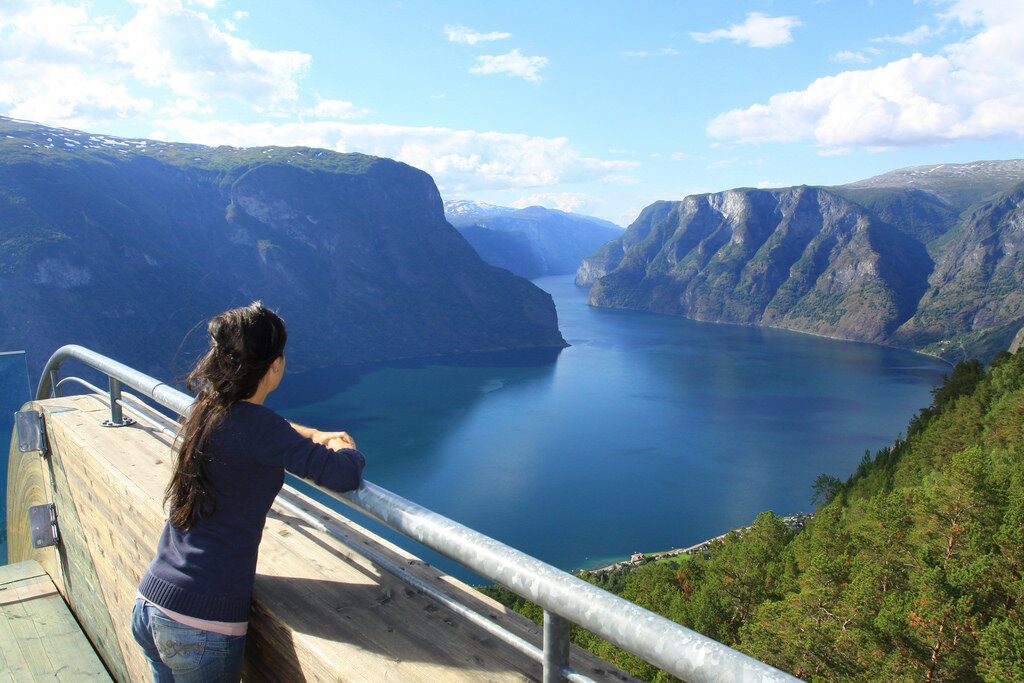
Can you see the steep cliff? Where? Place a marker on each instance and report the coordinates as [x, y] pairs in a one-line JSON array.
[[906, 260], [126, 245], [508, 249], [975, 296]]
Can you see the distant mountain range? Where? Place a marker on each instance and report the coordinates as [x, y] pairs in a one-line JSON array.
[[462, 212], [530, 242], [929, 258], [127, 246]]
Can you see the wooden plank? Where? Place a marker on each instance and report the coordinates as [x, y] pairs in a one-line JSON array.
[[320, 610], [83, 588], [21, 593], [39, 638], [117, 532]]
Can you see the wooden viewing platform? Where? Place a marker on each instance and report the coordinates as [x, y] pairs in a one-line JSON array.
[[39, 638], [320, 611]]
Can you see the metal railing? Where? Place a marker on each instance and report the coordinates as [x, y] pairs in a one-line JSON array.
[[565, 599]]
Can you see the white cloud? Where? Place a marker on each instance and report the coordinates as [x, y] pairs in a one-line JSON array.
[[459, 160], [971, 91], [461, 34], [918, 35], [57, 63], [512, 64], [334, 109], [850, 56], [573, 202], [60, 65], [759, 30], [657, 53], [71, 98], [167, 44], [185, 107]]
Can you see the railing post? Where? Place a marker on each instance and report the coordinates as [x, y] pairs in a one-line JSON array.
[[117, 418], [556, 647]]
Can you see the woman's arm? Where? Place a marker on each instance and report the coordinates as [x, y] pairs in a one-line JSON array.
[[304, 432], [333, 440], [333, 461]]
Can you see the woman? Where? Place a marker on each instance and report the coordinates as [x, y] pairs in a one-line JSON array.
[[192, 610]]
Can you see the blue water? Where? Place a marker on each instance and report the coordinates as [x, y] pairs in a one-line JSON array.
[[648, 433]]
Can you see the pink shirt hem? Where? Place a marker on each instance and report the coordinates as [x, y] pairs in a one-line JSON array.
[[226, 628]]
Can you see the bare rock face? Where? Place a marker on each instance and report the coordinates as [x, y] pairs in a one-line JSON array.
[[976, 292], [801, 258], [1018, 341], [880, 262], [126, 245]]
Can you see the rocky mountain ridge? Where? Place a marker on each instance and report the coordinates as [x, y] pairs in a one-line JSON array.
[[893, 260], [958, 184], [127, 246]]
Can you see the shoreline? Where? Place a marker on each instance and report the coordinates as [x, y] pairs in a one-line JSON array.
[[822, 335], [795, 522]]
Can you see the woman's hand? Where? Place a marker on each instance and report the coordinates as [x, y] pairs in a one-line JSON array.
[[335, 440], [342, 439]]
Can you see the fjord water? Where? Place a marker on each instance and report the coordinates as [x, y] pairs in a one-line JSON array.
[[648, 433]]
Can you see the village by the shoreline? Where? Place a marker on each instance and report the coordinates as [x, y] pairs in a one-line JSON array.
[[795, 522]]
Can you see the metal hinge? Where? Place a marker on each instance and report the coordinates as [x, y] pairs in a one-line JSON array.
[[31, 431], [42, 519]]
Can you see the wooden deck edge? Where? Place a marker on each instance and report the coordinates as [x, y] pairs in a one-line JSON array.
[[321, 610]]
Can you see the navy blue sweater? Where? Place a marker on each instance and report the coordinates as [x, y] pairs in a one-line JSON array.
[[208, 571]]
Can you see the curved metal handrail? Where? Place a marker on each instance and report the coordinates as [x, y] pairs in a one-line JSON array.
[[563, 597], [162, 393]]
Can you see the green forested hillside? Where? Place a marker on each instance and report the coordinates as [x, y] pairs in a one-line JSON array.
[[910, 570]]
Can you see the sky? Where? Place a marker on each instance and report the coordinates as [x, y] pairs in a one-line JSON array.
[[599, 107]]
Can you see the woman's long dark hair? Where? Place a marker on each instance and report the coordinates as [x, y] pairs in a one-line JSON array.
[[244, 342]]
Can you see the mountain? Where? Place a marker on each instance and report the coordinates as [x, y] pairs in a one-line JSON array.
[[127, 246], [530, 242], [925, 258], [959, 185], [461, 213], [512, 250]]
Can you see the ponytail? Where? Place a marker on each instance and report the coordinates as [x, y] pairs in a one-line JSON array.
[[243, 344]]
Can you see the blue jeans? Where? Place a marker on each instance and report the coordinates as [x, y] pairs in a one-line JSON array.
[[182, 654]]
